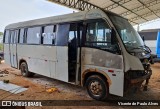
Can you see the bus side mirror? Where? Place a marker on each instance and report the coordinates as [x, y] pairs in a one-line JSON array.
[[143, 38], [113, 37]]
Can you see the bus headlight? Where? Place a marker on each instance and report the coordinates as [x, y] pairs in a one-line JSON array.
[[143, 54]]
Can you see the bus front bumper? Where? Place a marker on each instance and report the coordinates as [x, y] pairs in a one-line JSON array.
[[136, 83], [141, 79]]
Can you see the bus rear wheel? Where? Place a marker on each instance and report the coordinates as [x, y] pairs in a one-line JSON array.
[[97, 87], [24, 70]]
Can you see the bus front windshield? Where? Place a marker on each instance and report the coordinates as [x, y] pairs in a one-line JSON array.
[[129, 36]]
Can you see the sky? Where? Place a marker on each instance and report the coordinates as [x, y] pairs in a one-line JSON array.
[[12, 11]]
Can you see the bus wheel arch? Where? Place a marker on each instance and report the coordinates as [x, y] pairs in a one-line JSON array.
[[23, 66], [20, 61], [90, 81], [86, 74]]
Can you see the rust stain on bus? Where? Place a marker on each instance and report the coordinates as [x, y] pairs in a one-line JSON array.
[[101, 58], [91, 70]]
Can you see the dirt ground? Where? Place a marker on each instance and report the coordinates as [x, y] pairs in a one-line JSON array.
[[38, 85]]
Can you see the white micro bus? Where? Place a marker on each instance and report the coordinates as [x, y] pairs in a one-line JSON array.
[[96, 49]]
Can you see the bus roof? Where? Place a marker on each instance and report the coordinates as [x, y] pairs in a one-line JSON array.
[[58, 19]]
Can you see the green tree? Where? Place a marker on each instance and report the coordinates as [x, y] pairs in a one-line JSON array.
[[1, 45], [1, 33]]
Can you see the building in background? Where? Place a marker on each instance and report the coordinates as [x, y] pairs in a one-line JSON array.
[[150, 37]]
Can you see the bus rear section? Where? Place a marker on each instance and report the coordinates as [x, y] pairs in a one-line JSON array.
[[46, 50]]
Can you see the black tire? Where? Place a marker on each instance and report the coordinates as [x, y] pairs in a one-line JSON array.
[[24, 70], [103, 86]]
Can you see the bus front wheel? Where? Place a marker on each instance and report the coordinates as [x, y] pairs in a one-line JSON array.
[[97, 87], [24, 70]]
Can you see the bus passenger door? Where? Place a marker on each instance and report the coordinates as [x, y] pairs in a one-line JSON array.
[[13, 48], [75, 33], [62, 52], [72, 52]]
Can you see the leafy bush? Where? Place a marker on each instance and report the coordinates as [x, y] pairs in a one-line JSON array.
[[1, 33], [1, 47]]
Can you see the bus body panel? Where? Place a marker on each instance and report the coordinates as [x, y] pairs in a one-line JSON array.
[[37, 51], [7, 54], [107, 62], [39, 66], [38, 58], [62, 63], [50, 61], [52, 67]]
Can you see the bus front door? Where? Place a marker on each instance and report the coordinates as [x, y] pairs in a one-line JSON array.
[[75, 33], [13, 48]]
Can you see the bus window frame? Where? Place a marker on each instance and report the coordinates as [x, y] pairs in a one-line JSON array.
[[4, 36], [118, 51], [20, 35], [43, 25], [26, 34], [54, 31]]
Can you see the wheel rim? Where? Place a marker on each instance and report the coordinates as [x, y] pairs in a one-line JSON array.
[[23, 69], [95, 88]]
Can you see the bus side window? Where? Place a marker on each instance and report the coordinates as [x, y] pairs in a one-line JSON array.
[[12, 37], [15, 39], [21, 37], [48, 35], [72, 41], [33, 35], [98, 35], [6, 37], [72, 32], [62, 34]]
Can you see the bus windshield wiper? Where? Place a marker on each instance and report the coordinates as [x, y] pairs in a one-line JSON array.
[[139, 47], [143, 47]]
